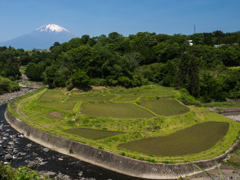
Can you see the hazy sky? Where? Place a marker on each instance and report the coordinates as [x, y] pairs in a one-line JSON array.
[[96, 17]]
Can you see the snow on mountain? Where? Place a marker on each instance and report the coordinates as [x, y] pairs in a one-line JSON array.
[[51, 28], [42, 38]]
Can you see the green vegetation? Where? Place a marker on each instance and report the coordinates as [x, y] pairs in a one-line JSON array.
[[20, 173], [9, 62], [7, 85], [234, 159], [92, 133], [115, 110], [132, 121], [49, 116], [130, 97], [60, 105], [165, 107], [51, 95], [192, 140], [90, 98]]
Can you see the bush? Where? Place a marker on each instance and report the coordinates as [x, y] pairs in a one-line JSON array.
[[20, 173], [7, 85], [187, 99], [98, 82]]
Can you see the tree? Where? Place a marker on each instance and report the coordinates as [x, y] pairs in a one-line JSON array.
[[181, 78], [169, 73], [80, 78], [193, 78], [134, 59], [187, 75]]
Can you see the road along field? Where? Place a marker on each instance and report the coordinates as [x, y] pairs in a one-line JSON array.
[[147, 123]]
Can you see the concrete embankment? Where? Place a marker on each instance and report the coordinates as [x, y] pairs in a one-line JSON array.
[[111, 161]]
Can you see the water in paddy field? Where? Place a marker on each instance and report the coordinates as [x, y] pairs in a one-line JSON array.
[[68, 165]]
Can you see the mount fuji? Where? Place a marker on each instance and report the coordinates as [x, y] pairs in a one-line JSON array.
[[42, 38]]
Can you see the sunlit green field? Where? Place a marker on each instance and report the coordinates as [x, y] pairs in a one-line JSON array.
[[165, 107], [124, 110], [147, 123], [51, 95], [60, 105], [90, 98], [92, 133], [192, 140]]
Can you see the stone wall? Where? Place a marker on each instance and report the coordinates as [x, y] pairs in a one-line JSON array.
[[111, 161]]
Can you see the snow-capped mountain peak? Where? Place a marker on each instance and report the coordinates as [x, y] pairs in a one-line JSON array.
[[52, 28], [41, 38]]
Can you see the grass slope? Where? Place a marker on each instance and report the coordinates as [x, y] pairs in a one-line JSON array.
[[124, 110], [192, 140], [165, 107], [92, 133]]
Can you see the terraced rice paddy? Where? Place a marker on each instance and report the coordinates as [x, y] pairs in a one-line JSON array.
[[60, 105], [92, 133], [165, 107], [192, 140], [128, 98], [51, 95], [123, 110], [91, 98]]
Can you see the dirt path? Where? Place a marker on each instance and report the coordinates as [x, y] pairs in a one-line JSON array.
[[19, 106]]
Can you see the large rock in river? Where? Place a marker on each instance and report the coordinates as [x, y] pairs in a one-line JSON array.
[[8, 157]]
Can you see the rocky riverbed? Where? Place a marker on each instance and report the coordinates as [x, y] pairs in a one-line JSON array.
[[5, 98]]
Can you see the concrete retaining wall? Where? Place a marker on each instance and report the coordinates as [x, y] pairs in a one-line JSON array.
[[111, 161]]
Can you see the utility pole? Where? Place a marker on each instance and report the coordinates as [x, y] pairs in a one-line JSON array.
[[194, 28]]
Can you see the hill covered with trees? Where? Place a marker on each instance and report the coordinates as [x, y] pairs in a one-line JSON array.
[[170, 60]]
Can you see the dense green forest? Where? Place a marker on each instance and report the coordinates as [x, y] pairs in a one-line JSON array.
[[203, 69], [9, 69]]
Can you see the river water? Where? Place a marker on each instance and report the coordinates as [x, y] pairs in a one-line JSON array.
[[68, 166]]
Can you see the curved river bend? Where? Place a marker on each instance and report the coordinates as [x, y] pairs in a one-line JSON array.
[[72, 167]]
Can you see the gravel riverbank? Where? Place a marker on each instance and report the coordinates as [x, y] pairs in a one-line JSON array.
[[5, 98]]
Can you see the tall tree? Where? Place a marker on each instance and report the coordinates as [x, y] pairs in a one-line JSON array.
[[193, 78]]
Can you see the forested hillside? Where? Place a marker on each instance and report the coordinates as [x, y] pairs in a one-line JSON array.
[[9, 69], [203, 69]]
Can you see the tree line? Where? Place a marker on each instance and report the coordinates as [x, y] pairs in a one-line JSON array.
[[138, 59]]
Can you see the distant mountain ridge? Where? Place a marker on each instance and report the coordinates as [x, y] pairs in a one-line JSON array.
[[42, 38]]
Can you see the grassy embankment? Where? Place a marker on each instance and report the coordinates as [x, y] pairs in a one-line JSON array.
[[112, 118]]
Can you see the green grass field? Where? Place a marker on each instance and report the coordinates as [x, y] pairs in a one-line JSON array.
[[128, 98], [115, 110], [191, 140], [165, 107], [153, 122], [49, 116], [60, 105], [91, 98], [92, 133], [51, 95]]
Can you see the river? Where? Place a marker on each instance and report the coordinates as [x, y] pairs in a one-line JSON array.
[[70, 166]]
